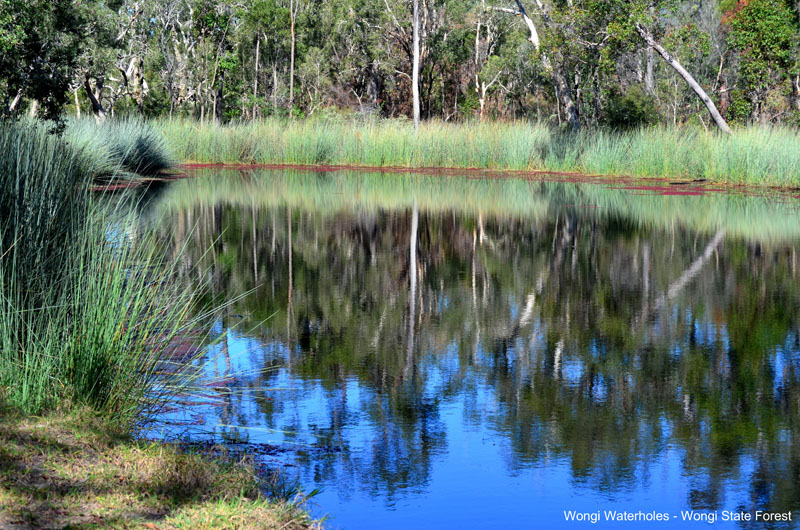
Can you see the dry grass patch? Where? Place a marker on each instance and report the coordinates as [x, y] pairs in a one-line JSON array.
[[72, 471]]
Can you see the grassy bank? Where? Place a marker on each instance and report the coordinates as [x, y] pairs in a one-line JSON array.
[[90, 318], [756, 155], [69, 470]]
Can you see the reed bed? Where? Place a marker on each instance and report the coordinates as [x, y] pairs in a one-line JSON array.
[[86, 309], [120, 148], [754, 155]]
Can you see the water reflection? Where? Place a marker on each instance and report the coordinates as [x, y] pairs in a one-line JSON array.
[[475, 354]]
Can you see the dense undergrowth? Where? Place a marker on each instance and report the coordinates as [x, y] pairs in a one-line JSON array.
[[754, 155]]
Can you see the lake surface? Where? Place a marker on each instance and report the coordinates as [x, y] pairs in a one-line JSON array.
[[466, 352]]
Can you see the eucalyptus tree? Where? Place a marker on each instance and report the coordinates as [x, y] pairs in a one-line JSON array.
[[765, 35], [40, 50]]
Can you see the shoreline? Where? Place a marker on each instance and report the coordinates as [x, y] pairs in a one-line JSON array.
[[472, 173], [60, 470], [756, 155]]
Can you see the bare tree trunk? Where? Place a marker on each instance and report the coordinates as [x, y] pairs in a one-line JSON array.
[[291, 57], [141, 86], [694, 85], [565, 94], [478, 63], [219, 101], [34, 108], [415, 66], [77, 103], [97, 108], [274, 88], [255, 76], [15, 101], [649, 81]]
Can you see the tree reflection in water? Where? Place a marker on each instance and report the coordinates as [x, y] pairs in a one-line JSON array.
[[603, 336]]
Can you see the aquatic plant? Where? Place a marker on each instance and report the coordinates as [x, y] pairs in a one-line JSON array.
[[120, 147], [750, 155], [86, 304]]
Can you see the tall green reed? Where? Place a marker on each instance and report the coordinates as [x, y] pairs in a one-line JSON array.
[[750, 155], [120, 148], [88, 305]]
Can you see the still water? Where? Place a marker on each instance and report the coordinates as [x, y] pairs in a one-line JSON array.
[[463, 352]]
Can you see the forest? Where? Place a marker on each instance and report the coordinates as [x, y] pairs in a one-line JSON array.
[[574, 63]]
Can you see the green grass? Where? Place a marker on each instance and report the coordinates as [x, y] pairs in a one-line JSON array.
[[756, 155], [71, 471], [119, 148], [85, 309]]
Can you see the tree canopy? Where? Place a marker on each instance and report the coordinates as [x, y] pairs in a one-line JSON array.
[[578, 62]]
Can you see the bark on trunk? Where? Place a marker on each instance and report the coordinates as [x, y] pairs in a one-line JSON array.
[[291, 57], [565, 95], [694, 85], [97, 108], [255, 77], [415, 66], [649, 81]]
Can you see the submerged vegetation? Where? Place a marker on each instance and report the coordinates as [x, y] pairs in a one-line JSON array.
[[764, 155]]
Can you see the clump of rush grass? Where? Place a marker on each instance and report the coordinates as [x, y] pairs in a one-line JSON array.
[[89, 316], [84, 311], [753, 155], [120, 147]]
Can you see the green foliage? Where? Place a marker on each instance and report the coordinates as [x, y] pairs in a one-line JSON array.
[[765, 33], [740, 107], [199, 58], [634, 108], [40, 45]]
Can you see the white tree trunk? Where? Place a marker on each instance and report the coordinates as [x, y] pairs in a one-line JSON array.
[[15, 101], [291, 56], [415, 66], [412, 288], [255, 76], [694, 85]]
